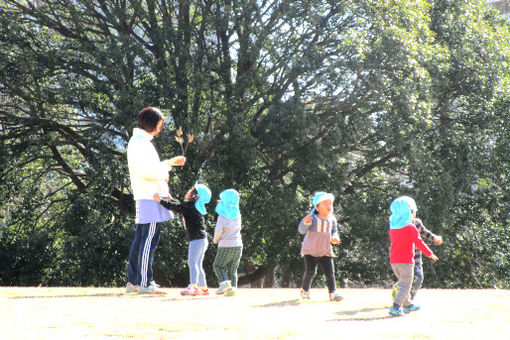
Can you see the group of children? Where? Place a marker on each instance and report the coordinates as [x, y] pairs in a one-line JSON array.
[[406, 235], [320, 229], [227, 234]]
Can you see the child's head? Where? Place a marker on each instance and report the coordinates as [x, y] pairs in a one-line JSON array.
[[403, 210], [322, 203], [228, 206], [201, 195]]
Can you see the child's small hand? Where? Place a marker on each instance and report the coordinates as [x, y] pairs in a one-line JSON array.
[[335, 240], [434, 258], [308, 218], [438, 240], [156, 197]]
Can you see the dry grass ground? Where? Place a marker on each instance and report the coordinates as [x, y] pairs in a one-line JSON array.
[[108, 313]]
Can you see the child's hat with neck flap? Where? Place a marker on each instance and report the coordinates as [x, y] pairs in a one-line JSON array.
[[204, 196], [228, 206], [319, 197], [401, 209]]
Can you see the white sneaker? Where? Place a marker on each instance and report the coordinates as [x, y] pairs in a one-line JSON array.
[[150, 290], [153, 283], [224, 287], [231, 292], [131, 288]]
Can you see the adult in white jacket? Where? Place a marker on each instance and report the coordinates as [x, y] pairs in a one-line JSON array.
[[148, 176]]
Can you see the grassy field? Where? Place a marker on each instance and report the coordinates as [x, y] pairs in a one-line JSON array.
[[108, 313]]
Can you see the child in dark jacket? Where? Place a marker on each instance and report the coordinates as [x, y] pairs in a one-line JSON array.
[[404, 237], [193, 211]]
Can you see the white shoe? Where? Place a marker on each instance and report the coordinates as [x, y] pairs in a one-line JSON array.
[[131, 288], [150, 290], [224, 287]]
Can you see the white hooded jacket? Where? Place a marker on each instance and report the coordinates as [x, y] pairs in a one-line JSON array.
[[148, 174]]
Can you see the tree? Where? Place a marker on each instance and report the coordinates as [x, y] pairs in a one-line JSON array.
[[366, 99]]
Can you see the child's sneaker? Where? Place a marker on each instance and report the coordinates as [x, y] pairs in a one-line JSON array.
[[224, 287], [304, 294], [131, 288], [410, 308], [231, 292], [333, 296], [191, 291], [203, 291], [396, 311]]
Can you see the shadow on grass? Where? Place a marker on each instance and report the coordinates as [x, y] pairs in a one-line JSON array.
[[361, 314], [89, 295], [294, 302], [65, 296]]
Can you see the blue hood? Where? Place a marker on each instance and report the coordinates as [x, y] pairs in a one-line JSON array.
[[401, 212], [204, 197], [228, 206]]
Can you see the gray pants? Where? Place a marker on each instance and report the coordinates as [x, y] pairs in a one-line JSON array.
[[404, 273]]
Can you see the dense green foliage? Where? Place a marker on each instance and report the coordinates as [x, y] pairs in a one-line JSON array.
[[366, 99]]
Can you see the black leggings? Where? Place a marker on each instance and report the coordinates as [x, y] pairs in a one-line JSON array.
[[326, 263]]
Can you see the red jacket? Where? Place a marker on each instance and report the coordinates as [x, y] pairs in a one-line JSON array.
[[403, 241]]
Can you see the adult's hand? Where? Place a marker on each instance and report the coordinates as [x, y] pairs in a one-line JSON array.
[[177, 161]]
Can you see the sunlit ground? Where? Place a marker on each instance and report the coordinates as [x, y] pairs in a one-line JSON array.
[[108, 313]]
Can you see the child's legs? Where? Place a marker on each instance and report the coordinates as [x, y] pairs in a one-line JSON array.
[[235, 258], [133, 255], [310, 271], [417, 280], [328, 267], [404, 273], [220, 264], [202, 282], [196, 254]]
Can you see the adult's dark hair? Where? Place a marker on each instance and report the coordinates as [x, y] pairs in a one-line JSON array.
[[149, 118]]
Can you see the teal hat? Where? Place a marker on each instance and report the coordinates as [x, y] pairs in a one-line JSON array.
[[321, 196], [401, 212], [228, 206], [204, 197]]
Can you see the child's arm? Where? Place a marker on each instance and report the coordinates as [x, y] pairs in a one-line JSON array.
[[422, 246], [305, 224], [426, 234], [218, 231], [170, 205], [335, 238]]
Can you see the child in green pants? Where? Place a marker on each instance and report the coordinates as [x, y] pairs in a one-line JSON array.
[[227, 234]]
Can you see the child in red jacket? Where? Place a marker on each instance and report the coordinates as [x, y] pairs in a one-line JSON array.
[[404, 237]]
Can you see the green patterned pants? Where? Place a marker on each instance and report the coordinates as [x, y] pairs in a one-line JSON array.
[[226, 263]]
